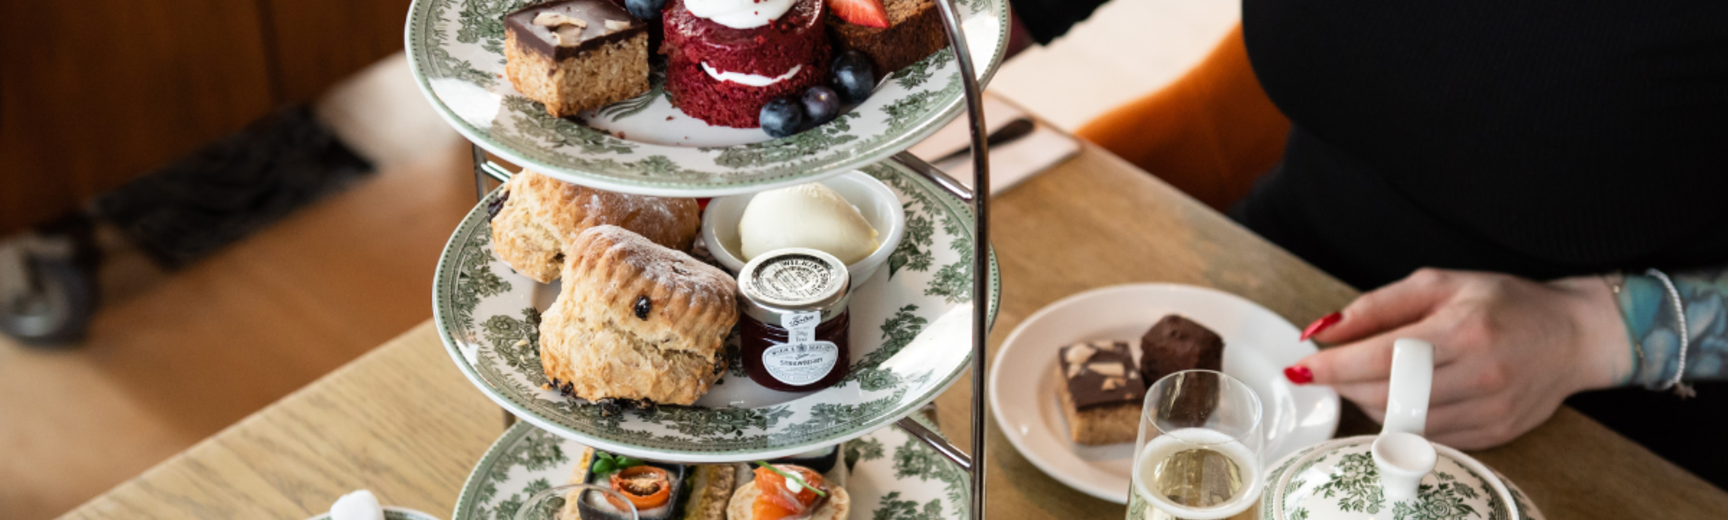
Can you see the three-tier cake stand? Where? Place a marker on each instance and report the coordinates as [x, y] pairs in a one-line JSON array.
[[975, 197]]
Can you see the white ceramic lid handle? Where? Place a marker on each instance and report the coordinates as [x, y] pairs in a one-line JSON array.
[[1412, 378], [1403, 459]]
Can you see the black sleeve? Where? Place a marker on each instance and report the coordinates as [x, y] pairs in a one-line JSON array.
[[1049, 19]]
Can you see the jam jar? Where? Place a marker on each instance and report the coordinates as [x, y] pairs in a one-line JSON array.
[[796, 329]]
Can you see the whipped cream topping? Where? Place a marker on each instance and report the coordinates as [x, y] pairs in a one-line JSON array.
[[739, 14], [752, 80], [359, 505]]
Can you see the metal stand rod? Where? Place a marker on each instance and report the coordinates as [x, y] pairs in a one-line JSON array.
[[480, 164], [484, 168], [936, 442], [941, 178], [980, 242]]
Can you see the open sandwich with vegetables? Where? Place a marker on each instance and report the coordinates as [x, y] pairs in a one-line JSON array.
[[808, 486]]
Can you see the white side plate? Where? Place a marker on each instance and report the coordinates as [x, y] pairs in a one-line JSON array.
[[1258, 344]]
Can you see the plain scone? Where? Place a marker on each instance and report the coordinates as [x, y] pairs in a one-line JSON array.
[[598, 341], [835, 507], [541, 215]]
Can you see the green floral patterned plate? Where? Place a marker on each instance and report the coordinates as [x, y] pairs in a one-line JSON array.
[[911, 335], [644, 145], [893, 476]]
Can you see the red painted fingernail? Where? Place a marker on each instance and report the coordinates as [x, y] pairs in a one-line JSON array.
[[1325, 322], [1299, 374]]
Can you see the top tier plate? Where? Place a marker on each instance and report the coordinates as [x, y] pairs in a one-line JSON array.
[[646, 146]]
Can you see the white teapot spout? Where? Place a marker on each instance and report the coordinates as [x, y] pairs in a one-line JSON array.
[[1401, 454]]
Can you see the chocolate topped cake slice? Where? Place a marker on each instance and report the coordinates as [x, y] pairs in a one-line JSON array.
[[914, 31], [576, 55], [1101, 392]]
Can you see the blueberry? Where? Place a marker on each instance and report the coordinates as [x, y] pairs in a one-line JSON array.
[[643, 307], [853, 76], [782, 117], [645, 10], [821, 104]]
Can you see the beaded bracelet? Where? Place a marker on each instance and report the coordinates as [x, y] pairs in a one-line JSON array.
[[1680, 388]]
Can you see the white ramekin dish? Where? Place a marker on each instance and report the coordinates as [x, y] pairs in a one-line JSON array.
[[874, 200]]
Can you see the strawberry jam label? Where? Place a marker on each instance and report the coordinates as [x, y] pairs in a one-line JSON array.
[[802, 360]]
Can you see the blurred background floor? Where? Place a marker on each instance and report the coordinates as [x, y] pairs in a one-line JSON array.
[[174, 357]]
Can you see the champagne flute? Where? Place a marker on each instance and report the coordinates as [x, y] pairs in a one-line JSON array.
[[559, 503], [1198, 453]]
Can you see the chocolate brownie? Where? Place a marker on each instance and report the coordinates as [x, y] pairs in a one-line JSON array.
[[1175, 344], [1101, 392]]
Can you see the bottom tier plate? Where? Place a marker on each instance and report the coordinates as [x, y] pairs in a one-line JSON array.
[[893, 476]]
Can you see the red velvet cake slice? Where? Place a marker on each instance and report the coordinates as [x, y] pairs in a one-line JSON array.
[[723, 68]]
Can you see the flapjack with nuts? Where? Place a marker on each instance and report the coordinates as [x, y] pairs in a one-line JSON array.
[[576, 55], [1101, 391]]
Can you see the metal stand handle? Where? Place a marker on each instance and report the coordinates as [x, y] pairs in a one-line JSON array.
[[980, 199]]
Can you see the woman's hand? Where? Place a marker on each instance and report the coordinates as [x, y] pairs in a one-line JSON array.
[[1507, 350]]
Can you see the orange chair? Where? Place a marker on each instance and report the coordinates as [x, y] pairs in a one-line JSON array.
[[1210, 134]]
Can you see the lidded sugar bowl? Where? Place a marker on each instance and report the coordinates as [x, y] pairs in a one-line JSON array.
[[1394, 475]]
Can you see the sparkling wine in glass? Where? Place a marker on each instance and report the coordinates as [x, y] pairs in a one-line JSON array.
[[1198, 453]]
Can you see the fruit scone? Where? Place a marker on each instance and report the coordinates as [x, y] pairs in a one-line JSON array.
[[636, 324], [728, 58], [537, 216]]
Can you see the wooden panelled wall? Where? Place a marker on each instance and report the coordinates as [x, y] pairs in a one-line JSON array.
[[96, 92]]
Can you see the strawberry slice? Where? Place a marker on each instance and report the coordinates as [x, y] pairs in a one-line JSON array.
[[868, 13]]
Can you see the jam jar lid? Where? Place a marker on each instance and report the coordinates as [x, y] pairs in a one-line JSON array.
[[792, 280]]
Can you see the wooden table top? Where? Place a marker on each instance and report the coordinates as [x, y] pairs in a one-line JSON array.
[[403, 422]]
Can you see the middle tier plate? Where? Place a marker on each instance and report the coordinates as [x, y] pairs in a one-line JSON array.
[[911, 338]]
